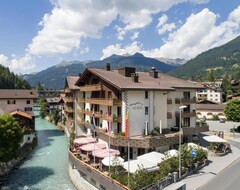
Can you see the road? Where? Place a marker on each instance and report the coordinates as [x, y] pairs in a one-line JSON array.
[[229, 178]]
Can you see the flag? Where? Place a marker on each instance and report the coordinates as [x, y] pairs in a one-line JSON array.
[[126, 126], [109, 120], [94, 124]]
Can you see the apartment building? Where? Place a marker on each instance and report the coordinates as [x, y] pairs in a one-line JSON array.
[[147, 100], [71, 91], [212, 92], [19, 103]]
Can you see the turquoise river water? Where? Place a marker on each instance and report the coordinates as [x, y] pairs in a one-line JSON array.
[[46, 167]]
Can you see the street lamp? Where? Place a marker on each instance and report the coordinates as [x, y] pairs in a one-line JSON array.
[[180, 131]]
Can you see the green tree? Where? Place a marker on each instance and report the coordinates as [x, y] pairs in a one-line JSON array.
[[71, 139], [232, 110], [211, 77], [11, 136], [56, 116], [43, 108]]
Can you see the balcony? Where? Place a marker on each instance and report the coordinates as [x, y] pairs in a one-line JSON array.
[[68, 109], [169, 101], [139, 141], [68, 99], [186, 114], [88, 88], [187, 101], [102, 101], [83, 123], [169, 115]]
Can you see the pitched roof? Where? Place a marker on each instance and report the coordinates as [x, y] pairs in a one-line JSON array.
[[18, 94], [71, 80], [163, 82], [24, 114], [210, 107], [54, 99]]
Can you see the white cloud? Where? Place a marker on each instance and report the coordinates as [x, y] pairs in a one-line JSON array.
[[117, 49], [72, 20], [134, 36], [163, 26], [199, 33], [21, 65]]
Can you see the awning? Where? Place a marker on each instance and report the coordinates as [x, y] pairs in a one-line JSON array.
[[114, 161], [105, 153], [171, 153], [84, 140], [195, 146], [153, 157], [92, 146], [134, 165], [214, 138]]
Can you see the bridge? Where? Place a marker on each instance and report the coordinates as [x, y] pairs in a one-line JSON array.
[[49, 93]]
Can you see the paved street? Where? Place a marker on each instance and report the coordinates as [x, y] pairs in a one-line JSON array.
[[220, 167], [227, 179]]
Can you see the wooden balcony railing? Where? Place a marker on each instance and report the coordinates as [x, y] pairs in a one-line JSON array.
[[101, 101], [186, 114], [185, 101], [68, 99], [94, 87], [68, 109], [101, 115]]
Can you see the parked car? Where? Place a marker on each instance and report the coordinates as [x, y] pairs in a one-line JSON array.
[[222, 120]]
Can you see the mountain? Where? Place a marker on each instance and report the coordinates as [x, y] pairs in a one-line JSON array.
[[223, 60], [54, 77], [176, 62], [8, 80]]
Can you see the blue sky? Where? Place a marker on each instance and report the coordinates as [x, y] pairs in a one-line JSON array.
[[38, 34]]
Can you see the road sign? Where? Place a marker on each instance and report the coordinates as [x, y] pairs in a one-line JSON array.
[[194, 154]]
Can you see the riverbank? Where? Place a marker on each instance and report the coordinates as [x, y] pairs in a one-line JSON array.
[[7, 168]]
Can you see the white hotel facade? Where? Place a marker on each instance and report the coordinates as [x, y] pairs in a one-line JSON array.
[[151, 99]]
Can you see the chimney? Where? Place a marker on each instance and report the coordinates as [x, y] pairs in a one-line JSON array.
[[126, 71], [135, 77], [153, 73], [107, 67]]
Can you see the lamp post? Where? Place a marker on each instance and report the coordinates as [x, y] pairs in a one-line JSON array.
[[180, 131]]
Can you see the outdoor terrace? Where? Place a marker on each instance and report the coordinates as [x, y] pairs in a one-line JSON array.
[[139, 141]]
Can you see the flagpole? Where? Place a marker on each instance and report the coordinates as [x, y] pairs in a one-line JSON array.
[[109, 126], [94, 126], [127, 131]]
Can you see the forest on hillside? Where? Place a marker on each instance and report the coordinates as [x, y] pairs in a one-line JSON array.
[[9, 80], [224, 60]]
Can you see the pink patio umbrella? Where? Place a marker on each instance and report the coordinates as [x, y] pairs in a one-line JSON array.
[[92, 146], [105, 153], [84, 140]]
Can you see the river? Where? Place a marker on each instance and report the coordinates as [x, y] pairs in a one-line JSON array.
[[46, 167]]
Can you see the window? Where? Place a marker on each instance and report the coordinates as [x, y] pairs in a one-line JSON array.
[[28, 109], [186, 95], [28, 101], [146, 110], [11, 102], [216, 95], [146, 94]]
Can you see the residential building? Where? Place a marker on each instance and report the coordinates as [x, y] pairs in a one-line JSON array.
[[207, 109], [71, 91], [150, 100], [212, 91], [19, 103]]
